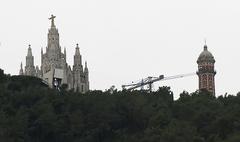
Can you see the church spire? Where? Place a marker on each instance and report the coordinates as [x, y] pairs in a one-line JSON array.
[[53, 46], [41, 51], [29, 68], [21, 69], [65, 54], [86, 76], [77, 56], [29, 54], [77, 52], [86, 68]]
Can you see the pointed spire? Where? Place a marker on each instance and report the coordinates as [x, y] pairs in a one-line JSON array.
[[77, 52], [86, 68], [21, 69], [65, 53], [41, 51], [205, 44], [77, 57], [37, 68], [29, 57], [29, 50]]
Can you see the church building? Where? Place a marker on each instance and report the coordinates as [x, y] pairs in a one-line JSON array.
[[206, 71], [54, 68]]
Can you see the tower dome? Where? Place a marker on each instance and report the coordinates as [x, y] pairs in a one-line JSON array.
[[206, 56]]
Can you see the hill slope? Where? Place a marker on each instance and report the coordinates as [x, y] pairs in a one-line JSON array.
[[31, 112]]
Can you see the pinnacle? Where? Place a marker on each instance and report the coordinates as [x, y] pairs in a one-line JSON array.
[[29, 50]]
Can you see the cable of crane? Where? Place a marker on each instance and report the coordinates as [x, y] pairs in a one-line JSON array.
[[178, 76]]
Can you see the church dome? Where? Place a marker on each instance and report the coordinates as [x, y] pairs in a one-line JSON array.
[[206, 56]]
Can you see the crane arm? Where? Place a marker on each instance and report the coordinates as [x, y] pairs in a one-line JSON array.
[[150, 80], [178, 76]]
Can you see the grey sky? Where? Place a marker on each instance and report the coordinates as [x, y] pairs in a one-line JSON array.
[[127, 40]]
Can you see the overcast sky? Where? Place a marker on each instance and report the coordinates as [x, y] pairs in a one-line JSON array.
[[126, 40]]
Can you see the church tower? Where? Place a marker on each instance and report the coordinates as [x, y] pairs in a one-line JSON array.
[[206, 72], [53, 62], [86, 77], [53, 46], [29, 68], [77, 71], [80, 76], [54, 69]]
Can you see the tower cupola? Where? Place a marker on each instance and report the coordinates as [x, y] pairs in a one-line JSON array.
[[206, 56]]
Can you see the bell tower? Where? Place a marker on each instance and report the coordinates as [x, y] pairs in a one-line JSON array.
[[206, 72]]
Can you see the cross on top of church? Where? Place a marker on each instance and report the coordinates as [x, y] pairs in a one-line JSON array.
[[52, 20]]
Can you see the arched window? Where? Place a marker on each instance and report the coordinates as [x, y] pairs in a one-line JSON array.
[[204, 80], [210, 78]]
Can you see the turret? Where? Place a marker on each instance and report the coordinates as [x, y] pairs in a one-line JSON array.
[[78, 75], [41, 55], [41, 51], [86, 68], [21, 70], [86, 73], [38, 72], [29, 68], [65, 54], [29, 54], [77, 57]]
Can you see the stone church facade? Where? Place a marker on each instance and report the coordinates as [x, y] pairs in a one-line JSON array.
[[54, 67]]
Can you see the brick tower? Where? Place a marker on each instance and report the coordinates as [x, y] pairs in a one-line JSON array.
[[206, 72]]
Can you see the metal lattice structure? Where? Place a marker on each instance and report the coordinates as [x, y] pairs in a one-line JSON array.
[[150, 80]]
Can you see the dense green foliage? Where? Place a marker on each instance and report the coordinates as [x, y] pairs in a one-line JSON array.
[[31, 112]]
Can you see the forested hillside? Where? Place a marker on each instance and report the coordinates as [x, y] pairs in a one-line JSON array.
[[31, 112]]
